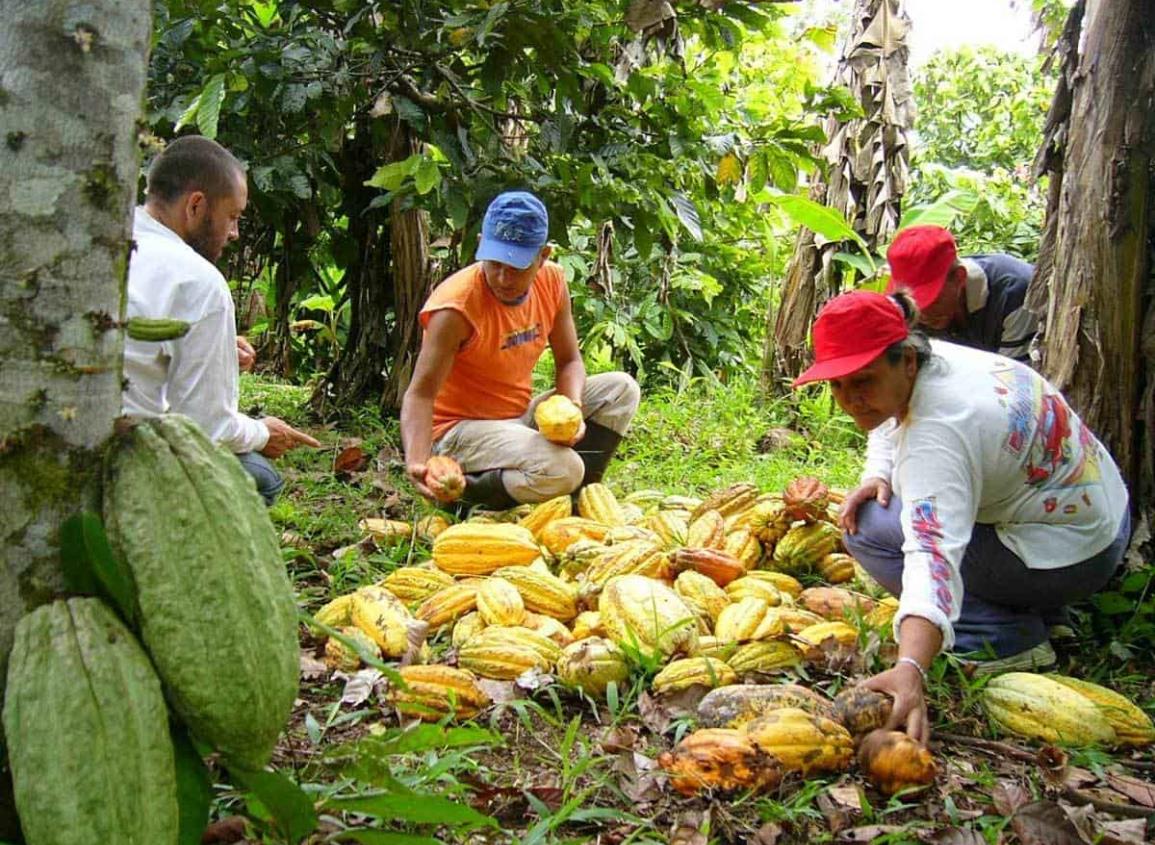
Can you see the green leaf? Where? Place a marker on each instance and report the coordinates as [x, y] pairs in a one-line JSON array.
[[942, 212], [318, 302], [194, 788], [91, 566], [211, 98], [389, 177], [189, 114], [416, 809], [289, 806], [865, 267], [266, 12], [427, 177], [1113, 603], [819, 218], [425, 737], [384, 837], [822, 36], [688, 215]]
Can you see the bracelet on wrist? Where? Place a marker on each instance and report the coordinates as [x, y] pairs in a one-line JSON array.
[[912, 662]]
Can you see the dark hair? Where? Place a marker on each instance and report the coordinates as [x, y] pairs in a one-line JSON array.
[[193, 163], [916, 340]]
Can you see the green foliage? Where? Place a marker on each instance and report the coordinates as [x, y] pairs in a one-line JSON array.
[[980, 119]]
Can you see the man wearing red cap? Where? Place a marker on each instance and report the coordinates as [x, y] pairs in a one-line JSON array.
[[990, 506], [471, 396], [975, 300]]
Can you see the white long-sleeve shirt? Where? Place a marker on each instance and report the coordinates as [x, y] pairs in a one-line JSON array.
[[988, 440], [196, 375]]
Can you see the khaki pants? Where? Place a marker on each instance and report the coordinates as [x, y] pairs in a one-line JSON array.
[[535, 468]]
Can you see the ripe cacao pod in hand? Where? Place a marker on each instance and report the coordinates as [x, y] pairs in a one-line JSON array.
[[444, 478], [893, 761], [558, 419]]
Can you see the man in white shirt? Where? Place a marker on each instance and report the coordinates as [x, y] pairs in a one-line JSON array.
[[197, 192]]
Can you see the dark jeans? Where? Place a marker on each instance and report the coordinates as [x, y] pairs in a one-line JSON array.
[[1006, 606], [269, 481]]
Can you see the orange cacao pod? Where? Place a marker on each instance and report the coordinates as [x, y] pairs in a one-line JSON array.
[[444, 477]]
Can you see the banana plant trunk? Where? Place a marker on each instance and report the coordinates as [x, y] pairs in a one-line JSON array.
[[1094, 284], [867, 171], [72, 79]]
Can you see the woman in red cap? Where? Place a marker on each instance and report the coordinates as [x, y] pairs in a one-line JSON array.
[[985, 503]]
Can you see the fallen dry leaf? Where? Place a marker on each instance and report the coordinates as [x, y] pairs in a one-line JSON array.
[[224, 831], [955, 836], [688, 830], [1008, 796], [1139, 791], [619, 738], [1044, 823], [499, 691], [868, 833], [837, 815], [846, 795], [359, 686], [349, 460], [640, 779], [1077, 777], [1052, 763], [1129, 832], [312, 668], [767, 834], [654, 714]]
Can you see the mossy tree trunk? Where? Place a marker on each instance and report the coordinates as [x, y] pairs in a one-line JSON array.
[[72, 80], [1094, 283]]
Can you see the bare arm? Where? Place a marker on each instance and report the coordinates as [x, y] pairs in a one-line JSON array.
[[921, 641], [446, 332], [570, 375]]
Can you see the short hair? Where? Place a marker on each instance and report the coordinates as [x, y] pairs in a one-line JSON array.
[[193, 163]]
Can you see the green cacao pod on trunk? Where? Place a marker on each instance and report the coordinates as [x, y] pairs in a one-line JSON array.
[[216, 611], [87, 731]]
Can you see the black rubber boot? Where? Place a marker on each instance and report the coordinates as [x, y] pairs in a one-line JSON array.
[[595, 450], [484, 489]]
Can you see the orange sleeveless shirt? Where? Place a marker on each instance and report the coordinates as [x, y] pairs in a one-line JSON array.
[[492, 373]]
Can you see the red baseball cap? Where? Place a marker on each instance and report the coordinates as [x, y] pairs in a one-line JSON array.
[[919, 258], [851, 331]]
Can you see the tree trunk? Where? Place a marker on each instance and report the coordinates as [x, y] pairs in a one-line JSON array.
[[867, 160], [386, 285], [1093, 284], [72, 79]]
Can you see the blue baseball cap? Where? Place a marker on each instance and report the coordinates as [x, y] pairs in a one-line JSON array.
[[515, 228]]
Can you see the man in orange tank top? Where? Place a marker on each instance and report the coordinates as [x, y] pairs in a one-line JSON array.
[[471, 395]]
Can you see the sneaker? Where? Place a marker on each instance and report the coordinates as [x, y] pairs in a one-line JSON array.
[[1041, 656]]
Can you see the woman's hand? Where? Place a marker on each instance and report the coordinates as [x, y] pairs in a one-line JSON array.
[[903, 683], [872, 488], [416, 473]]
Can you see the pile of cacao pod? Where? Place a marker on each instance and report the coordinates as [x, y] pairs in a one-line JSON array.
[[208, 625], [694, 592]]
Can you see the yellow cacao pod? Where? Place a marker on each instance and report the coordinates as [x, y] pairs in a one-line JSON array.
[[499, 603], [670, 526], [795, 620], [707, 530], [646, 615], [701, 593], [803, 546], [559, 535], [835, 603], [647, 499], [341, 658], [386, 621], [429, 527], [693, 671], [597, 502], [435, 691], [542, 592], [472, 549], [894, 762], [547, 512], [764, 656], [767, 521], [787, 584], [719, 759], [1039, 707], [679, 503], [558, 419], [746, 620], [747, 587], [337, 613], [736, 706], [588, 624], [505, 653], [742, 544], [414, 584], [547, 626], [466, 628], [637, 557], [836, 568], [727, 501], [449, 604], [387, 531], [803, 742], [882, 616], [591, 665], [632, 514], [1132, 726], [814, 636]]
